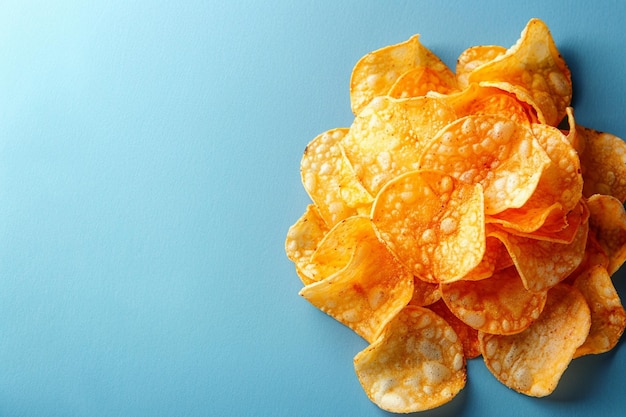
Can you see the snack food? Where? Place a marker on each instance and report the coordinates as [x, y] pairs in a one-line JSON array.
[[464, 214]]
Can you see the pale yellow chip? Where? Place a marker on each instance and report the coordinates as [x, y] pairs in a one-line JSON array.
[[433, 223], [375, 73], [417, 364], [534, 66], [603, 161], [329, 179], [541, 263], [608, 318], [386, 139], [302, 241], [494, 151], [498, 305], [608, 222], [369, 291], [533, 361]]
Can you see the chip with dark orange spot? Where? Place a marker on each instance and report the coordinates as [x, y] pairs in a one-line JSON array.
[[425, 293], [533, 65], [494, 151], [533, 361], [608, 221], [472, 58], [604, 163], [427, 218], [302, 241], [387, 138], [420, 81], [375, 73], [541, 263], [467, 334], [329, 179], [369, 291], [608, 318], [498, 305], [417, 364]]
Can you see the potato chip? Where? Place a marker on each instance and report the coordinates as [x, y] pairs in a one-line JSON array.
[[386, 139], [498, 305], [535, 66], [369, 291], [533, 361], [604, 163], [542, 264], [330, 181], [494, 258], [608, 318], [472, 58], [501, 155], [420, 81], [467, 334], [302, 241], [375, 73], [417, 364], [424, 293], [427, 218], [608, 222]]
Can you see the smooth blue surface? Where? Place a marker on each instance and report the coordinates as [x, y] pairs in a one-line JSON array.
[[149, 170]]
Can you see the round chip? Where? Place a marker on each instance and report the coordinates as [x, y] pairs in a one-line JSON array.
[[472, 58], [608, 318], [387, 138], [608, 221], [494, 151], [467, 334], [498, 305], [369, 291], [375, 73], [417, 364], [420, 81], [533, 361], [433, 223]]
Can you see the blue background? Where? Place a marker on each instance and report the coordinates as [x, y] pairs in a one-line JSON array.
[[149, 171]]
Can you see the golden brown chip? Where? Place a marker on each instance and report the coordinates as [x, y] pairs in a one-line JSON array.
[[541, 263], [494, 151], [387, 138], [603, 161], [467, 334], [302, 241], [417, 364], [424, 293], [375, 73], [472, 58], [534, 66], [608, 222], [329, 179], [420, 81], [608, 318], [498, 305], [427, 219], [533, 361], [369, 291]]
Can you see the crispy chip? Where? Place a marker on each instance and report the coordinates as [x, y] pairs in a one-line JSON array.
[[302, 241], [420, 81], [608, 222], [472, 58], [608, 318], [330, 180], [375, 73], [427, 218], [369, 291], [424, 293], [467, 334], [501, 155], [541, 263], [604, 163], [533, 66], [533, 361], [417, 364], [498, 305], [386, 139]]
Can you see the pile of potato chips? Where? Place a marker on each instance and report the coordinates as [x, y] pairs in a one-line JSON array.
[[462, 215]]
